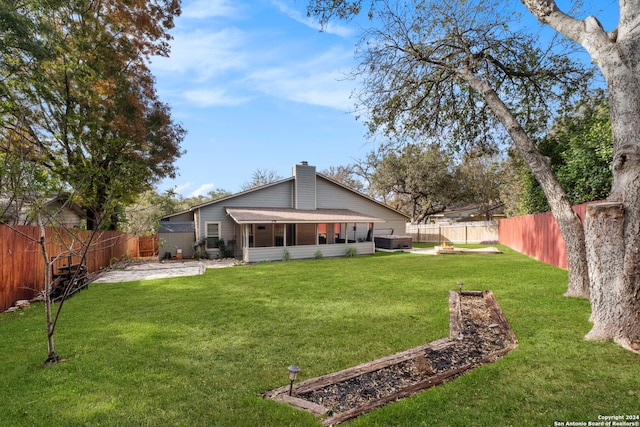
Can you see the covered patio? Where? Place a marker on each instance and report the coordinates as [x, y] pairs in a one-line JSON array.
[[267, 234]]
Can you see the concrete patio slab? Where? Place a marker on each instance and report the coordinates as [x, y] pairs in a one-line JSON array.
[[160, 270]]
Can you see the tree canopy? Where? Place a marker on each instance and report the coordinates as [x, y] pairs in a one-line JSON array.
[[417, 58], [435, 65], [76, 90], [579, 146], [419, 181], [466, 74]]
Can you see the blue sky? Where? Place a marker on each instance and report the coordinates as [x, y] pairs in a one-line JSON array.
[[258, 86]]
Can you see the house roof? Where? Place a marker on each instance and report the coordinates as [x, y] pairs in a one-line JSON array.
[[298, 216], [262, 187], [176, 227], [54, 203], [233, 196]]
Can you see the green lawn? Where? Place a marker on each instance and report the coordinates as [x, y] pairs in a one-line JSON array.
[[198, 351]]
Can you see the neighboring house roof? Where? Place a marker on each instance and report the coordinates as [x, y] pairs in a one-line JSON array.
[[67, 212], [469, 212], [177, 227], [275, 215], [63, 201]]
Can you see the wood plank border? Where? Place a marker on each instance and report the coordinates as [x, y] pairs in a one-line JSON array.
[[281, 394]]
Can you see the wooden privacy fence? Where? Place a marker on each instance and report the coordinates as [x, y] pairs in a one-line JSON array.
[[538, 236], [460, 232], [148, 246], [22, 265]]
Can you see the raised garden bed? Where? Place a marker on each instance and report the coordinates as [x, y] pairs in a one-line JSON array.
[[478, 334]]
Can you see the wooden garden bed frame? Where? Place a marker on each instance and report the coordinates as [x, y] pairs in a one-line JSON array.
[[281, 394]]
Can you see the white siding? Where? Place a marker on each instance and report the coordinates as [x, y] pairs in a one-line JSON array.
[[305, 252], [70, 219]]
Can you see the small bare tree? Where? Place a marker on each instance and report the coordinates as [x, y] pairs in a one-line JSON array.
[[261, 177]]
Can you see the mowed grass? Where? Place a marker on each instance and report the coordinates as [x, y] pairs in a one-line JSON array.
[[198, 351]]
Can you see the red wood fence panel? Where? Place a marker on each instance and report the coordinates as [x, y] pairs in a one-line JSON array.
[[22, 265], [537, 236], [148, 246]]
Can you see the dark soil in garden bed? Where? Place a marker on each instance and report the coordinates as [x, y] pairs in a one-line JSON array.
[[479, 334]]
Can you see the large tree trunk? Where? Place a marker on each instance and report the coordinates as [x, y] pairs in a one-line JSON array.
[[610, 300], [620, 68], [568, 222], [613, 230], [616, 316]]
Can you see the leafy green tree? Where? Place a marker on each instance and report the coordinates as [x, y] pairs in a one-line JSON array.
[[580, 150], [89, 106], [365, 169], [516, 190], [585, 171], [24, 184], [419, 181], [143, 215], [466, 72], [216, 194], [500, 66], [78, 100], [480, 177]]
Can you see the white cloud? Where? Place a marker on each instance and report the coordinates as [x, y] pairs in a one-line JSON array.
[[203, 54], [203, 189], [330, 28], [318, 81], [214, 64], [213, 97], [183, 188], [201, 9]]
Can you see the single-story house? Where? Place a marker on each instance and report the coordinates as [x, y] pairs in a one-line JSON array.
[[58, 210], [294, 218]]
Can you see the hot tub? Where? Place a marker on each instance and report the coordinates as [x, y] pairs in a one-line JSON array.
[[392, 241]]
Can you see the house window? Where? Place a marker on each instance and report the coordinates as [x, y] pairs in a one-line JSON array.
[[213, 234]]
